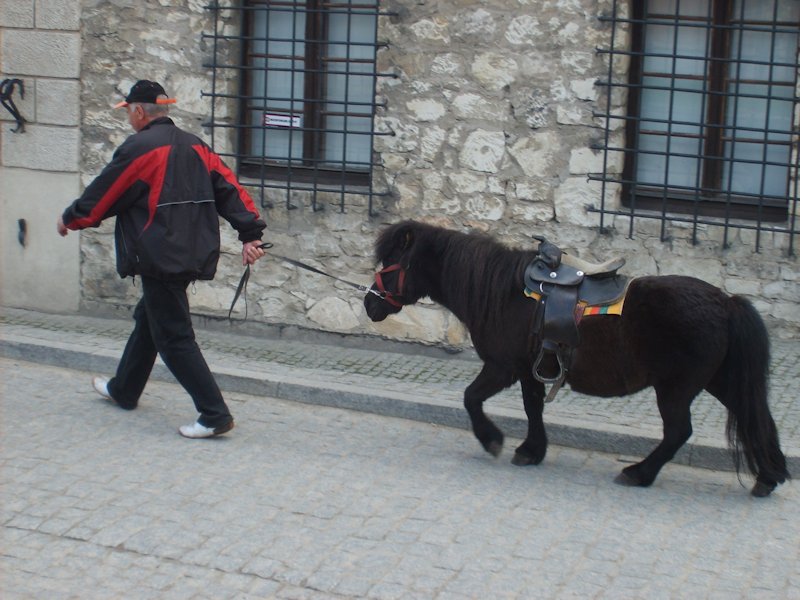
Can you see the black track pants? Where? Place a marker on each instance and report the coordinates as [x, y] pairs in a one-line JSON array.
[[163, 325]]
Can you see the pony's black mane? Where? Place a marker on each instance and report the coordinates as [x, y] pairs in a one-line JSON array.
[[478, 275]]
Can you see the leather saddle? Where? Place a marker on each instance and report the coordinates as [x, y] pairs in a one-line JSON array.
[[564, 285]]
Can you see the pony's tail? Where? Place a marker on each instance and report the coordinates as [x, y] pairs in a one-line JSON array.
[[751, 429]]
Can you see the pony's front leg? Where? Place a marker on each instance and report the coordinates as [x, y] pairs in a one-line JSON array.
[[532, 451], [486, 384]]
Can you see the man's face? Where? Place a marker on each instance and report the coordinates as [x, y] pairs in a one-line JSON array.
[[136, 116]]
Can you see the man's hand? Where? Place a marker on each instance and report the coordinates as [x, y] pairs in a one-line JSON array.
[[62, 229], [251, 252]]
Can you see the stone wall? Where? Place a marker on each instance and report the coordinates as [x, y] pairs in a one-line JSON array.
[[491, 115]]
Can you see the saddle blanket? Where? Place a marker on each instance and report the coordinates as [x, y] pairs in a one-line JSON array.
[[584, 310]]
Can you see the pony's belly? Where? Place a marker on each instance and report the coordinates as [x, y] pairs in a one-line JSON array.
[[600, 382], [603, 365]]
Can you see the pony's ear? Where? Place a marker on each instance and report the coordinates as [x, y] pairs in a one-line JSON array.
[[397, 242], [408, 240], [408, 249]]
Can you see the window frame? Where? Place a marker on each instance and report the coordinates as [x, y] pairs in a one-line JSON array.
[[311, 168], [710, 198]]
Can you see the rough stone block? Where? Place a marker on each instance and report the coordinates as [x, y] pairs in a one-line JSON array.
[[706, 269], [189, 89], [746, 287], [569, 115], [788, 311], [584, 89], [571, 199], [536, 154], [523, 31], [431, 142], [483, 151], [473, 106], [333, 314], [467, 182], [494, 70], [431, 30], [426, 110], [484, 208], [790, 273], [585, 160]]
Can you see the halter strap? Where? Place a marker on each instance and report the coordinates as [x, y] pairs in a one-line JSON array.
[[386, 294]]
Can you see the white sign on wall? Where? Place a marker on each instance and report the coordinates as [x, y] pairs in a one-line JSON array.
[[278, 120]]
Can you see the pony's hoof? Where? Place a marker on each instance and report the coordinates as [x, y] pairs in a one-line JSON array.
[[762, 490], [626, 480], [494, 448], [632, 477], [521, 460]]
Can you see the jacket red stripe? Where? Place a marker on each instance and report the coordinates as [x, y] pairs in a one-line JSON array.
[[214, 164], [149, 167]]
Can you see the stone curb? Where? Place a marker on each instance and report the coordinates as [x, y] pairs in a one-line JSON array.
[[561, 431]]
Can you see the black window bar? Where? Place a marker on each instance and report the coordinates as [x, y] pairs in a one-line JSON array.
[[709, 132], [305, 94]]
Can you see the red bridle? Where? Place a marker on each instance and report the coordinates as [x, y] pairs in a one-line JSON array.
[[386, 294]]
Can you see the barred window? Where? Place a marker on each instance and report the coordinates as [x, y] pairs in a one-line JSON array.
[[306, 96], [712, 94]]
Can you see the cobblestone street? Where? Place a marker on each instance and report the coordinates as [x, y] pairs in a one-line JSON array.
[[306, 501]]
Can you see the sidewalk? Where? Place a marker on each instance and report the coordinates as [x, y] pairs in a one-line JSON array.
[[425, 386]]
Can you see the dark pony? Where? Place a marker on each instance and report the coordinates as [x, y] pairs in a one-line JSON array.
[[677, 334]]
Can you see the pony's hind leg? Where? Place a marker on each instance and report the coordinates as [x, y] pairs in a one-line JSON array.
[[486, 384], [532, 451], [674, 404]]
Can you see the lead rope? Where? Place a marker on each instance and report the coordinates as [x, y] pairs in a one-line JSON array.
[[242, 287]]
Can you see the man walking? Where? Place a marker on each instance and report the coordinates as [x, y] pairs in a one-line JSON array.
[[166, 187]]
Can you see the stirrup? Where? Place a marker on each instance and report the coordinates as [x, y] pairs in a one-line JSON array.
[[557, 381], [541, 378]]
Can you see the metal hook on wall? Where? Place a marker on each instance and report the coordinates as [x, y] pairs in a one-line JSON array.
[[6, 93]]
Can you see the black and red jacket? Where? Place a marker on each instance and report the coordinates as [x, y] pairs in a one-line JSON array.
[[166, 188]]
